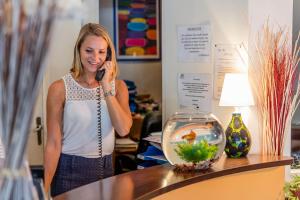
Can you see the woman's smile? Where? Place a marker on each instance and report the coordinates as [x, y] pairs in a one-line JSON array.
[[94, 63]]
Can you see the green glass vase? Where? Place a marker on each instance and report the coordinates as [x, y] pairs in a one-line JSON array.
[[238, 139]]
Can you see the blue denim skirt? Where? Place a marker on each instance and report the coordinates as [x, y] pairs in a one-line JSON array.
[[75, 171]]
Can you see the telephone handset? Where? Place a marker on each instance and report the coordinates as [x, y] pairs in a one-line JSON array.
[[100, 73]]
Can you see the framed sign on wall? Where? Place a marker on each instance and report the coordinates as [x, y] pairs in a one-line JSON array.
[[136, 29]]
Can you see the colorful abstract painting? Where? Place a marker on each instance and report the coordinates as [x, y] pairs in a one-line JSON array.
[[137, 29]]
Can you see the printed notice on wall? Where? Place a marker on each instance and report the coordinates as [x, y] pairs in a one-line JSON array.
[[194, 43], [228, 58], [195, 91]]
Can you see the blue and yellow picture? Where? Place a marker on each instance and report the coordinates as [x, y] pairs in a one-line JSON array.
[[137, 29]]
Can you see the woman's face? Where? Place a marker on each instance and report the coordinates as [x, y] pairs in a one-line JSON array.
[[93, 53]]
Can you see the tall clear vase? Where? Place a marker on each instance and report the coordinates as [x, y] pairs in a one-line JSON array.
[[25, 30]]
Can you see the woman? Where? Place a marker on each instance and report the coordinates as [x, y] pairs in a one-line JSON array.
[[80, 132]]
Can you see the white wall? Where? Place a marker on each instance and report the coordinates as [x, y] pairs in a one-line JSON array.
[[146, 75], [229, 21], [280, 14], [65, 33], [296, 29]]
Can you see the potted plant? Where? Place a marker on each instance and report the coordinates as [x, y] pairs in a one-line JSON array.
[[292, 188]]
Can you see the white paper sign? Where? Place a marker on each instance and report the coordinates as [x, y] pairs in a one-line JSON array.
[[229, 58], [195, 91], [194, 43]]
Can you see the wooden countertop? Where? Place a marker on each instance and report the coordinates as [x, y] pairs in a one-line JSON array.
[[154, 181]]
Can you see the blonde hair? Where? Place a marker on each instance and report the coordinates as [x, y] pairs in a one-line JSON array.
[[94, 30]]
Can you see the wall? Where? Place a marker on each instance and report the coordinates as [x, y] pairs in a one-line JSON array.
[[146, 75], [259, 12], [296, 29], [65, 32], [229, 22], [229, 25]]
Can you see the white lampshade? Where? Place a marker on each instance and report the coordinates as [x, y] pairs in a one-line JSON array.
[[236, 90]]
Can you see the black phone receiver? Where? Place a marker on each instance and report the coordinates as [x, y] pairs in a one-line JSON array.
[[100, 73]]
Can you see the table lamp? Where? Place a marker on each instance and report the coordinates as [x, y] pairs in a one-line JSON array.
[[236, 92]]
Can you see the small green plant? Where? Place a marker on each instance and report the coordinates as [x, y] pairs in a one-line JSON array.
[[196, 152], [292, 188]]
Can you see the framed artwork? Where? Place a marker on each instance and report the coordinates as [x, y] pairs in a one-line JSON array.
[[136, 29]]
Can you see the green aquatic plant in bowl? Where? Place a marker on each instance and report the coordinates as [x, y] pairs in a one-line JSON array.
[[200, 154], [292, 189]]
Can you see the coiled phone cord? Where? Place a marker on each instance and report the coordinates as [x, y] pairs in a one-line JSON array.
[[99, 132]]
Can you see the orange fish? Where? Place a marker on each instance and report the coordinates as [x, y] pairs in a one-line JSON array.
[[190, 137]]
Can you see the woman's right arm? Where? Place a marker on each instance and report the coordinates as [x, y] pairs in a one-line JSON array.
[[55, 104]]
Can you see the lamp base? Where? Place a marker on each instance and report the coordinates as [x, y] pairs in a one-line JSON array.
[[238, 139]]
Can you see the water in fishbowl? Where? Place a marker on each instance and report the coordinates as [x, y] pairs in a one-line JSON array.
[[193, 139]]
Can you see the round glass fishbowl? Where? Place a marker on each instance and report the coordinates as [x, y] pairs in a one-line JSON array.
[[193, 140]]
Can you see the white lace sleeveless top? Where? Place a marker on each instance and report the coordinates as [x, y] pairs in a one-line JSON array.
[[80, 121]]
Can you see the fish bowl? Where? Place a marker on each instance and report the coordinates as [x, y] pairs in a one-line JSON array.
[[193, 140]]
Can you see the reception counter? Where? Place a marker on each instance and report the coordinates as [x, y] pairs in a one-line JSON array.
[[254, 177]]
